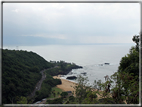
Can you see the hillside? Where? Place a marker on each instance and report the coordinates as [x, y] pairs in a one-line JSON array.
[[20, 73]]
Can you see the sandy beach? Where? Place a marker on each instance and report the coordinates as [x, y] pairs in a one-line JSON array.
[[68, 85]]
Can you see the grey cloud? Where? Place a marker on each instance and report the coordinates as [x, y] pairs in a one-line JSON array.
[[74, 21]]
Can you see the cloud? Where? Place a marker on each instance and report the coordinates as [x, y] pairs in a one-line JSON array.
[[57, 36], [106, 39], [15, 10], [71, 22]]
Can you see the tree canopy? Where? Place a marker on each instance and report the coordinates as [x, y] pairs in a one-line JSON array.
[[20, 73]]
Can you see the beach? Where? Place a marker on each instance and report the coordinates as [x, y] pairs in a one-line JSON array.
[[68, 85]]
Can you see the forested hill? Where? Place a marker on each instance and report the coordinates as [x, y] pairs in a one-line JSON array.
[[20, 73]]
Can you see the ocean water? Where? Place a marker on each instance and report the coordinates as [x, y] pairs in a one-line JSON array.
[[88, 56]]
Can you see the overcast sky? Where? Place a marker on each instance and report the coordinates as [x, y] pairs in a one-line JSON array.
[[31, 24]]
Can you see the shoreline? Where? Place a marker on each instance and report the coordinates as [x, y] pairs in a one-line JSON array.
[[66, 85]]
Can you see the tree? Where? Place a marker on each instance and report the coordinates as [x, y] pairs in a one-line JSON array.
[[130, 63], [58, 93], [81, 90], [22, 100], [136, 39], [71, 98], [35, 69], [64, 94], [54, 94], [37, 93], [20, 73], [126, 80], [129, 72], [90, 98], [125, 88], [55, 101]]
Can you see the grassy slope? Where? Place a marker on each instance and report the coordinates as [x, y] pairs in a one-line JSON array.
[[56, 92]]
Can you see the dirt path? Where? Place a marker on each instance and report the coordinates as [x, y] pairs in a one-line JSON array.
[[38, 85]]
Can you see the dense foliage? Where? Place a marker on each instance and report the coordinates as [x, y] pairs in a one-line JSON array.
[[20, 73], [46, 87], [55, 101], [64, 94], [62, 68], [81, 90], [130, 63], [128, 75]]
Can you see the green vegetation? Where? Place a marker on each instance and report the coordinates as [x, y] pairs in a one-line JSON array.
[[81, 90], [127, 77], [64, 94], [62, 68], [60, 98], [22, 100], [57, 92], [55, 97], [46, 87], [84, 94], [127, 87], [20, 73], [71, 98], [55, 101]]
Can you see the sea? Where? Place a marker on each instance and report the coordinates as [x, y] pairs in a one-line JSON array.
[[91, 57]]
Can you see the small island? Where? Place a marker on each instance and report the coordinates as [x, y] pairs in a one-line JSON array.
[[106, 63], [71, 77]]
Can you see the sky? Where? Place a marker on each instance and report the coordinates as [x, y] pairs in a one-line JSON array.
[[35, 24]]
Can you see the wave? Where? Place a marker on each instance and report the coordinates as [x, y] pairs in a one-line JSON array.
[[94, 72]]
